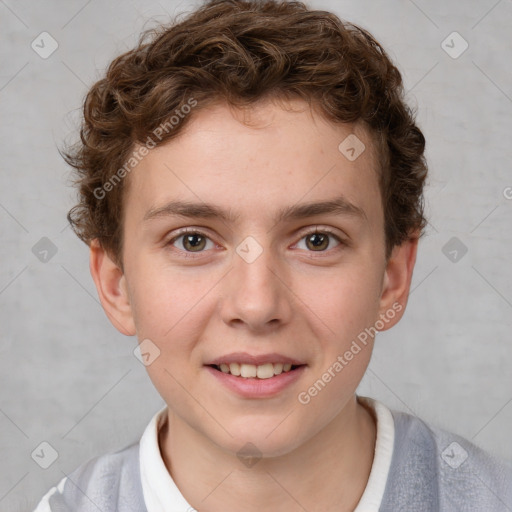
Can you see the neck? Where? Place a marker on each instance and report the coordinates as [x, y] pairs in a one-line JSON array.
[[328, 472]]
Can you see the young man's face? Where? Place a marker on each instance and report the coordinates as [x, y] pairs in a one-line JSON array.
[[260, 283]]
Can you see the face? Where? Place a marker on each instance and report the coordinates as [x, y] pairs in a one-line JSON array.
[[275, 279]]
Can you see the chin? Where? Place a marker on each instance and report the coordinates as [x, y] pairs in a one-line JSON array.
[[261, 438]]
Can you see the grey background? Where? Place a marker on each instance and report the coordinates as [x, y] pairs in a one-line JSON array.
[[70, 379]]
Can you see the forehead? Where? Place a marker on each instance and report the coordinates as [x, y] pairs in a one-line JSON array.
[[257, 162]]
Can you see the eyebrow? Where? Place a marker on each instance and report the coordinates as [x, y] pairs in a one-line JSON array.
[[338, 206]]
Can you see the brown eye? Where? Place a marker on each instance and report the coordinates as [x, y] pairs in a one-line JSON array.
[[320, 241], [317, 241], [191, 242], [194, 242]]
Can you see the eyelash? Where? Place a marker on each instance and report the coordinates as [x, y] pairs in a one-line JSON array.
[[189, 254]]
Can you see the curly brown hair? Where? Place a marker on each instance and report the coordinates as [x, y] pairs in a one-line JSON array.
[[241, 52]]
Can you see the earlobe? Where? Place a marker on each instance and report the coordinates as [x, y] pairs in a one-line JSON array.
[[397, 280], [112, 289]]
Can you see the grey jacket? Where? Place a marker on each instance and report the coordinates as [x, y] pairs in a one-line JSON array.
[[432, 470]]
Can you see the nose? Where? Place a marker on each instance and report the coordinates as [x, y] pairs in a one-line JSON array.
[[256, 293]]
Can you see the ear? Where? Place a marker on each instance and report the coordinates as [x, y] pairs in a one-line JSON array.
[[112, 290], [397, 282]]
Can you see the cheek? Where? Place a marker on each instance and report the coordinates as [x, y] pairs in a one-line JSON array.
[[170, 310], [345, 302], [166, 300], [344, 309]]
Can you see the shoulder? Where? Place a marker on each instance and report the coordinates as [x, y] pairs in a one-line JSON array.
[[471, 475], [110, 483], [433, 469]]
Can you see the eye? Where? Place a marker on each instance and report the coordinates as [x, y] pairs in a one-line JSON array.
[[192, 241], [319, 240]]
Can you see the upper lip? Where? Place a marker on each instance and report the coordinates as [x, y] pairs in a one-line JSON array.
[[244, 357]]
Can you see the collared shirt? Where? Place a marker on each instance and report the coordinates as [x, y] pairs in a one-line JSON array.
[[161, 493], [416, 467]]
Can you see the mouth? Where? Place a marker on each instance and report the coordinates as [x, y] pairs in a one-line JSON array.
[[252, 371], [256, 375]]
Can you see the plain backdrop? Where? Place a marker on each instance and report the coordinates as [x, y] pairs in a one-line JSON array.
[[68, 378]]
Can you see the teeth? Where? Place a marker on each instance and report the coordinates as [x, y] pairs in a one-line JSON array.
[[248, 370], [234, 368], [263, 371]]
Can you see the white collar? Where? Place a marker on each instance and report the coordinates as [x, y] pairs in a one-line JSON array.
[[162, 495], [374, 492]]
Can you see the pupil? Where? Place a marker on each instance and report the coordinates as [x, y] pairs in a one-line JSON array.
[[317, 239], [189, 240]]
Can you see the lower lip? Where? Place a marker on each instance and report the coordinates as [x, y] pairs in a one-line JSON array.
[[257, 388]]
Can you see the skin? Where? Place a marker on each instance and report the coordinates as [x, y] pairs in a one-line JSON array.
[[296, 300]]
